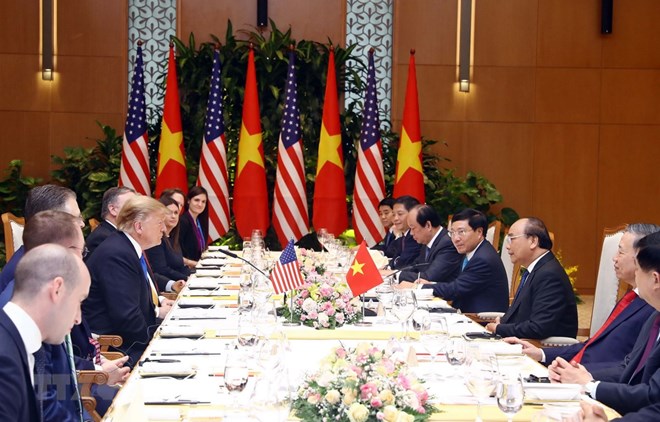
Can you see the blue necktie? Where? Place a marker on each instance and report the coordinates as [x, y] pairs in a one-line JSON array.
[[523, 278], [427, 253], [465, 262]]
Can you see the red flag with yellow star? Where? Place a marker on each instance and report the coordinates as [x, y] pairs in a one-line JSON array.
[[329, 210], [363, 274], [250, 192], [171, 162], [409, 178]]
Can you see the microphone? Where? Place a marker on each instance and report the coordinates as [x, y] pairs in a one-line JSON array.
[[233, 255], [411, 267]]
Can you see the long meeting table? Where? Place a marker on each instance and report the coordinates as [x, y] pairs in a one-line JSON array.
[[180, 376]]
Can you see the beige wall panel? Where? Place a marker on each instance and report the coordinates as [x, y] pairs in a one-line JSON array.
[[314, 20], [90, 85], [25, 137], [428, 26], [635, 24], [568, 95], [631, 96], [91, 28], [19, 30], [502, 152], [21, 86], [505, 32], [628, 175], [565, 191], [451, 142], [439, 98], [569, 33], [504, 94]]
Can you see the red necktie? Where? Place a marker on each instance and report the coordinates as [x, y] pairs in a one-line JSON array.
[[623, 304], [653, 338]]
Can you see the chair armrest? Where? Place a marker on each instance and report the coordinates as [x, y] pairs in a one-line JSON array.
[[112, 355], [106, 341], [558, 341], [169, 295], [87, 378]]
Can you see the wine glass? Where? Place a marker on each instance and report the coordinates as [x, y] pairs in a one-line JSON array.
[[403, 306], [385, 294], [510, 395], [456, 354], [272, 397], [481, 380], [434, 339], [248, 335], [261, 288], [264, 317]]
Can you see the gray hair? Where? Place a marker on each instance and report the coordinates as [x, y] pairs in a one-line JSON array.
[[46, 197], [110, 198], [639, 230]]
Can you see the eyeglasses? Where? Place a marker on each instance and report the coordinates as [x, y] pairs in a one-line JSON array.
[[509, 238], [459, 233], [83, 251]]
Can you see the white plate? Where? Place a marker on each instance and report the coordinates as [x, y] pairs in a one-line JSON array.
[[543, 391], [490, 315]]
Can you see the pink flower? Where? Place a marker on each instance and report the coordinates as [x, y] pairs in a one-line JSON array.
[[313, 315], [369, 390], [404, 381], [304, 294], [341, 353], [376, 402], [326, 291], [330, 311]]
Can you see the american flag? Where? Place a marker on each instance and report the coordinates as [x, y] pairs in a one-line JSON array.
[[290, 215], [213, 161], [286, 275], [134, 170], [369, 179]]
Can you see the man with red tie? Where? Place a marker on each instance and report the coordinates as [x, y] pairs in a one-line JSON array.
[[635, 382], [616, 337]]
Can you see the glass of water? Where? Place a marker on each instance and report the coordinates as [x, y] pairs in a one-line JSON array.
[[510, 395]]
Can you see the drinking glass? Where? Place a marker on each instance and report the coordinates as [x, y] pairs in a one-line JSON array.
[[385, 294], [510, 395], [261, 288], [271, 397], [248, 335], [403, 306], [481, 380], [434, 340], [456, 354], [236, 372]]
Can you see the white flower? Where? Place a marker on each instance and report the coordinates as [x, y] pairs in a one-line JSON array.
[[323, 319], [358, 413], [332, 396], [326, 379], [409, 399], [309, 305]]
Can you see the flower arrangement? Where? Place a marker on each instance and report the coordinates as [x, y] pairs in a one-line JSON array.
[[324, 302], [310, 262], [363, 384], [571, 272]]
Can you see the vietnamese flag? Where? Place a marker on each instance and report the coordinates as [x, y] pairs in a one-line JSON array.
[[409, 178], [329, 208], [363, 274], [171, 162], [250, 192]]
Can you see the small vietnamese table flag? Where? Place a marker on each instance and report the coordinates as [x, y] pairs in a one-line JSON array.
[[363, 274]]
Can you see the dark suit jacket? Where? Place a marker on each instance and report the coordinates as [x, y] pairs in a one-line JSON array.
[[187, 238], [481, 286], [57, 391], [386, 242], [95, 238], [624, 390], [649, 413], [18, 401], [9, 269], [613, 344], [408, 251], [165, 261], [444, 261], [545, 306], [119, 300]]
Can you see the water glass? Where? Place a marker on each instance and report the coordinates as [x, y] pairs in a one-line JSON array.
[[403, 306], [456, 354], [510, 395]]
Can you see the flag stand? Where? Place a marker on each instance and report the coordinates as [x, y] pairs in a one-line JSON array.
[[363, 323], [290, 322]]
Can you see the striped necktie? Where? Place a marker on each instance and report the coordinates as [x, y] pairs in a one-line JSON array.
[[74, 376]]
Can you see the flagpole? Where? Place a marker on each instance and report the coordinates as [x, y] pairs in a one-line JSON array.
[[290, 322], [363, 323]]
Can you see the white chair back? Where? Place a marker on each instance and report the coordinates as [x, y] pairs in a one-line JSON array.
[[506, 261], [493, 234], [607, 285], [16, 234]]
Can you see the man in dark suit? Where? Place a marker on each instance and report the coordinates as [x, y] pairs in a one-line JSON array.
[[615, 339], [635, 382], [405, 249], [386, 213], [438, 260], [113, 199], [42, 198], [544, 304], [51, 282], [123, 299], [481, 284]]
